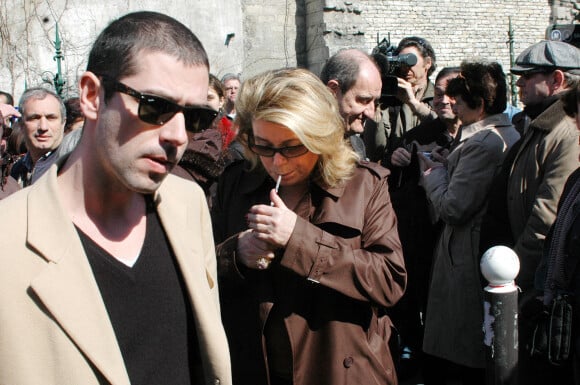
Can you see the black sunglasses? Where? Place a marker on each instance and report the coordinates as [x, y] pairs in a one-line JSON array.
[[158, 111], [267, 151]]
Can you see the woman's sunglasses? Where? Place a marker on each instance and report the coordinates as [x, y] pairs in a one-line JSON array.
[[158, 111], [268, 152]]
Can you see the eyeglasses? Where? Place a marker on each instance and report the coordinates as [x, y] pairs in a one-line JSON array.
[[286, 152], [158, 111]]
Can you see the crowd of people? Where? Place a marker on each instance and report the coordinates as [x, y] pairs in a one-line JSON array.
[[332, 234]]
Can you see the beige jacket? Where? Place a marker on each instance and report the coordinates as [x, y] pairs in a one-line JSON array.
[[547, 156], [54, 327]]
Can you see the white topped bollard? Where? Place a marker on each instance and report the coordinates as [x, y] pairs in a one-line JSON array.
[[500, 266]]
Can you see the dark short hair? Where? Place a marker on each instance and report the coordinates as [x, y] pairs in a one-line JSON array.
[[9, 98], [424, 48], [216, 84], [480, 83], [446, 71], [114, 53], [344, 67], [73, 112]]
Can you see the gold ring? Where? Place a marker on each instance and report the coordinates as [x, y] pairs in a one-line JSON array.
[[262, 263]]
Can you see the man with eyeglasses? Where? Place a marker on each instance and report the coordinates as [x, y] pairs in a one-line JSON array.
[[108, 264], [547, 155]]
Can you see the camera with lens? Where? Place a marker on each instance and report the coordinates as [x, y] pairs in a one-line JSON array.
[[391, 66]]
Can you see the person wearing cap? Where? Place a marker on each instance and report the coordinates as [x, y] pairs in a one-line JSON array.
[[546, 156]]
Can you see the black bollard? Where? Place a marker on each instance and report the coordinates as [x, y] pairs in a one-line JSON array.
[[500, 265]]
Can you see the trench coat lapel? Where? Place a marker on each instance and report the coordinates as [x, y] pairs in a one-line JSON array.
[[180, 223], [67, 287]]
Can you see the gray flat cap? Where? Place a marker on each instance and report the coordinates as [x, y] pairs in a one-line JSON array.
[[548, 55]]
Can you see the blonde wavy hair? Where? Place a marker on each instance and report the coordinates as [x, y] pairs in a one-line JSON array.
[[297, 99]]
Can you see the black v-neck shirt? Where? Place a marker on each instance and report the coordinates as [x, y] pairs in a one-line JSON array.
[[149, 309]]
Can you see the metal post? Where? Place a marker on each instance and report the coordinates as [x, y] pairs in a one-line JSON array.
[[513, 87], [58, 79], [500, 265]]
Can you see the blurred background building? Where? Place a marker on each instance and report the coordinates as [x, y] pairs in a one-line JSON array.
[[250, 36]]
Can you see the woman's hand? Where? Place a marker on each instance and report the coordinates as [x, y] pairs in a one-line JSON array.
[[253, 252], [269, 229], [440, 154], [436, 158], [425, 163], [272, 224]]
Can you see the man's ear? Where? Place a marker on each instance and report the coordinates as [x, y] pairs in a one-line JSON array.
[[558, 80], [333, 86], [428, 62], [90, 95]]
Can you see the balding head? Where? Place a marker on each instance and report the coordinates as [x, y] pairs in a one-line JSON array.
[[355, 80], [344, 67]]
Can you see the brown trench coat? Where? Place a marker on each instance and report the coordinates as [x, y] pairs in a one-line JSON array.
[[343, 264]]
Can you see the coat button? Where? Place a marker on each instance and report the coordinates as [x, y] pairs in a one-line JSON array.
[[348, 361], [216, 381]]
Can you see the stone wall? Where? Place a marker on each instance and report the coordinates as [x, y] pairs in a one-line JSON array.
[[27, 33], [250, 36], [565, 11], [270, 34], [456, 29]]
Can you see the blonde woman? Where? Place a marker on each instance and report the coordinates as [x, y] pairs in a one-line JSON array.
[[305, 267]]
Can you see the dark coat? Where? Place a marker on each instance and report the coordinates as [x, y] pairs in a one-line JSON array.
[[203, 160], [342, 265], [417, 232]]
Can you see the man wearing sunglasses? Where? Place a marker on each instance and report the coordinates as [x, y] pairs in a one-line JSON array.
[[109, 271], [546, 156]]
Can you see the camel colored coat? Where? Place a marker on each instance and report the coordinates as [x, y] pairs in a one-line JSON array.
[[54, 327]]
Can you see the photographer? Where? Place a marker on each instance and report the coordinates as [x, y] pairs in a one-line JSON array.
[[409, 105]]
